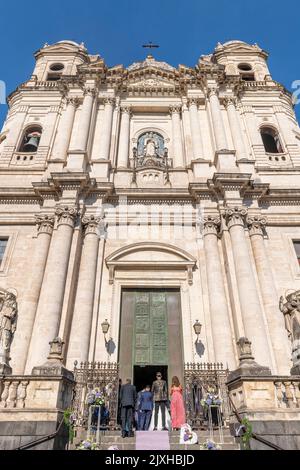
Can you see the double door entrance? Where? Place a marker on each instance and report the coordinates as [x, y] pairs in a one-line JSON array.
[[150, 335]]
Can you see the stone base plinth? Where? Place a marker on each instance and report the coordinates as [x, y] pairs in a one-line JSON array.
[[21, 427]]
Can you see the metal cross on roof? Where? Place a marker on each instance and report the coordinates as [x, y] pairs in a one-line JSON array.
[[150, 45]]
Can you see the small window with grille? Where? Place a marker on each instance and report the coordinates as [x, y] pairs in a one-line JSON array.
[[296, 244], [3, 245]]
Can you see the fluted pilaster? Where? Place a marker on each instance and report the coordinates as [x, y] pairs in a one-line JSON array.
[[83, 308], [248, 295], [221, 331], [178, 160], [256, 225], [46, 325]]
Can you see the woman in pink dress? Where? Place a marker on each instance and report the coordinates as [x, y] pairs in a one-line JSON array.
[[177, 405]]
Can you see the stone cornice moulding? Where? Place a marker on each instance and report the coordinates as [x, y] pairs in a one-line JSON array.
[[185, 261]]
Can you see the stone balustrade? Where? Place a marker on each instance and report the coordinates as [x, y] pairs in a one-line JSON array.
[[250, 394], [35, 392]]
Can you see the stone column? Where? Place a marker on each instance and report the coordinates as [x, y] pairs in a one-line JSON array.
[[124, 137], [61, 143], [249, 300], [269, 294], [83, 310], [195, 129], [106, 128], [178, 160], [30, 300], [46, 325], [221, 331], [85, 119], [235, 127], [217, 120]]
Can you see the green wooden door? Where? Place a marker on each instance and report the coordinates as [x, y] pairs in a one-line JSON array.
[[150, 345]]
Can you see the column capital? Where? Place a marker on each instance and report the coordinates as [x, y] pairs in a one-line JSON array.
[[193, 101], [90, 224], [126, 110], [211, 225], [230, 100], [45, 223], [213, 91], [90, 91], [235, 216], [66, 215], [256, 224], [109, 100], [74, 101], [175, 109]]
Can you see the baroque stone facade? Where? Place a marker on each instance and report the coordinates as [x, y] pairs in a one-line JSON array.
[[150, 177]]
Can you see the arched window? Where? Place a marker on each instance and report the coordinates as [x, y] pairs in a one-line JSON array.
[[271, 140], [31, 139]]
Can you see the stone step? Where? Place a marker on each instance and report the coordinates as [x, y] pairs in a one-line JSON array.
[[196, 447]]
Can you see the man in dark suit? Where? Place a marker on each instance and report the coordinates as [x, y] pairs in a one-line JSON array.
[[128, 398], [146, 407]]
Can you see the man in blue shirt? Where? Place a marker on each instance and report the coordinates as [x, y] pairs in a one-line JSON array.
[[146, 407]]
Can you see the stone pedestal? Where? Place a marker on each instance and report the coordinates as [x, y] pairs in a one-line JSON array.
[[248, 366], [32, 406]]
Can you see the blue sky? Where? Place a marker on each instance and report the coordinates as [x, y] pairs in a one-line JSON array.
[[116, 29]]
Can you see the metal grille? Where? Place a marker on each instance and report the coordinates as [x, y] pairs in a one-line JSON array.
[[89, 376], [199, 380]]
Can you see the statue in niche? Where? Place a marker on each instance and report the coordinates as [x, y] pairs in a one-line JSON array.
[[8, 323], [290, 307], [150, 149]]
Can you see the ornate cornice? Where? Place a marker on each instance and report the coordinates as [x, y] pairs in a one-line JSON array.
[[256, 224], [45, 223], [235, 216], [66, 215]]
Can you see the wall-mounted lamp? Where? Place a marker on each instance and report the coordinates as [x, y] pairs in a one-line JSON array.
[[105, 327], [197, 328]]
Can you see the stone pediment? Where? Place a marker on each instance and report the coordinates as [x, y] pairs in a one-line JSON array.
[[62, 48], [150, 255], [239, 47]]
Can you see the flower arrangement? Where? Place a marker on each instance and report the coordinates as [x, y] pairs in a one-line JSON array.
[[188, 435], [87, 444], [210, 445], [95, 397], [211, 399]]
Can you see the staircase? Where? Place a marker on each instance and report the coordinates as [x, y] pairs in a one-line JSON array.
[[109, 438]]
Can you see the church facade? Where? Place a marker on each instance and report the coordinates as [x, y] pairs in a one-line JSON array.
[[149, 216]]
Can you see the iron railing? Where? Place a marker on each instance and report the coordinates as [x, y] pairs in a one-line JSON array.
[[199, 380], [100, 376]]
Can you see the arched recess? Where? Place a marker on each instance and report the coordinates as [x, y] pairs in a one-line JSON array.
[[151, 256]]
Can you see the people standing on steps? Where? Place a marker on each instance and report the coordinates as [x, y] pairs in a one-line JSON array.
[[177, 404], [128, 398], [160, 397], [146, 408]]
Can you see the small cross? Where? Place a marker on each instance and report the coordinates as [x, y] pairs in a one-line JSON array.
[[150, 45]]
